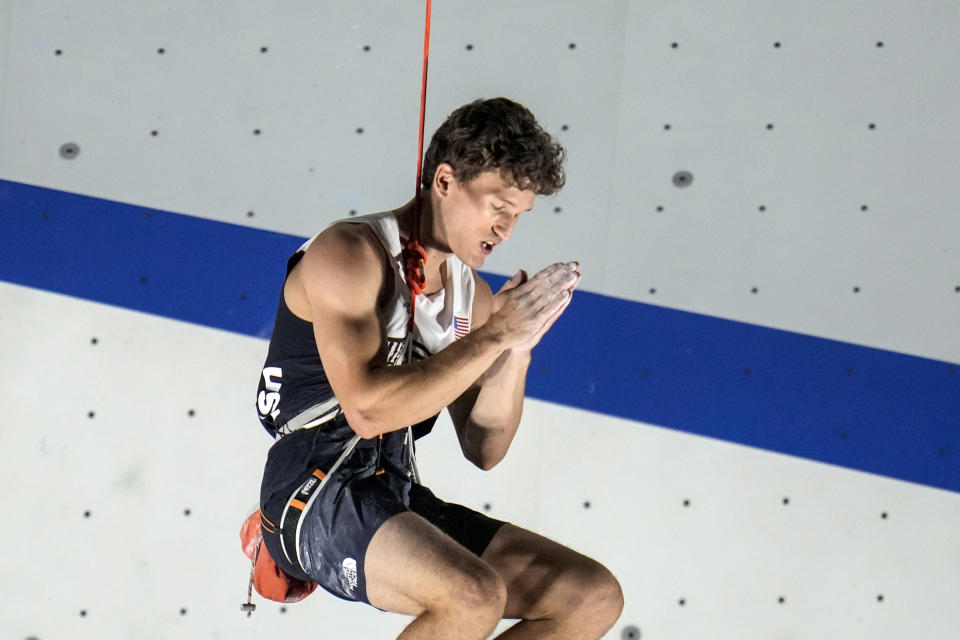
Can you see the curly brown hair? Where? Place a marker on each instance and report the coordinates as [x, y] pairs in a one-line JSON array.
[[496, 134]]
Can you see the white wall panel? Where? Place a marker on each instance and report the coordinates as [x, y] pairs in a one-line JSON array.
[[735, 548], [680, 517], [675, 516], [607, 98], [821, 89]]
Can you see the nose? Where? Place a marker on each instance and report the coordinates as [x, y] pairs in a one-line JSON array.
[[504, 225]]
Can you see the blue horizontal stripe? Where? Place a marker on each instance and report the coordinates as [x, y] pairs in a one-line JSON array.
[[847, 405]]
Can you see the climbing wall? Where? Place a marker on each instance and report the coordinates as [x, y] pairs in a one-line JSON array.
[[749, 412]]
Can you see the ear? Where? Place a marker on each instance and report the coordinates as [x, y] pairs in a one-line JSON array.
[[443, 179]]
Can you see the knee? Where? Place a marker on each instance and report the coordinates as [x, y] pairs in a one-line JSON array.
[[607, 595], [601, 597], [481, 592]]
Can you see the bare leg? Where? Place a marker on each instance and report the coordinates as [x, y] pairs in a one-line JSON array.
[[557, 592], [412, 567]]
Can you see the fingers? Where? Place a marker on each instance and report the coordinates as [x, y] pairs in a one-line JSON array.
[[548, 290], [535, 339], [559, 299], [528, 307], [519, 278], [553, 318], [562, 275]]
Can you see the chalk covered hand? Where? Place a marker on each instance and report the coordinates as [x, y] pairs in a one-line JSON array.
[[525, 308]]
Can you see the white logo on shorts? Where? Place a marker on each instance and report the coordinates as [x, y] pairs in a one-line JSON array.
[[350, 572]]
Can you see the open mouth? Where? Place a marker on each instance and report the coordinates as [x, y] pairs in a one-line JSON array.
[[487, 247]]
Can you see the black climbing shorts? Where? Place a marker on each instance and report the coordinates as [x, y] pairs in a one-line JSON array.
[[369, 488]]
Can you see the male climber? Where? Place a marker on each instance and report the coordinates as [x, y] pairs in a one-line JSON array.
[[343, 381]]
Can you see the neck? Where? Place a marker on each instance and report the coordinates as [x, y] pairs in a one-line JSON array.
[[431, 230]]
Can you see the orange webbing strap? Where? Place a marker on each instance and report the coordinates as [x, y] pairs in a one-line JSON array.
[[266, 576], [292, 518]]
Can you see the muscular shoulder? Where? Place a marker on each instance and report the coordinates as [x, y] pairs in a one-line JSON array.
[[482, 300], [343, 268]]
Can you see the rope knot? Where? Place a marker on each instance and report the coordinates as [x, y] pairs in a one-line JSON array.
[[414, 258]]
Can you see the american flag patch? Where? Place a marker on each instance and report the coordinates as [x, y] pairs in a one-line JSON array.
[[461, 326]]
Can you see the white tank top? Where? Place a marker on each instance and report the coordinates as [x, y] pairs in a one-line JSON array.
[[441, 318]]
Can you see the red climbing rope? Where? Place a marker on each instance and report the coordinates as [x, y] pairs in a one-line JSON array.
[[414, 255]]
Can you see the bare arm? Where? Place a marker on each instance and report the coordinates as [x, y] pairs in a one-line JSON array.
[[487, 415], [343, 274]]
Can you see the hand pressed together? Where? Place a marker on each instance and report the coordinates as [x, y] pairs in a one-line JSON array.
[[525, 308]]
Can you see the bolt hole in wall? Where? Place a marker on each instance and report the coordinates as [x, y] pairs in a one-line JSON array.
[[681, 179]]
